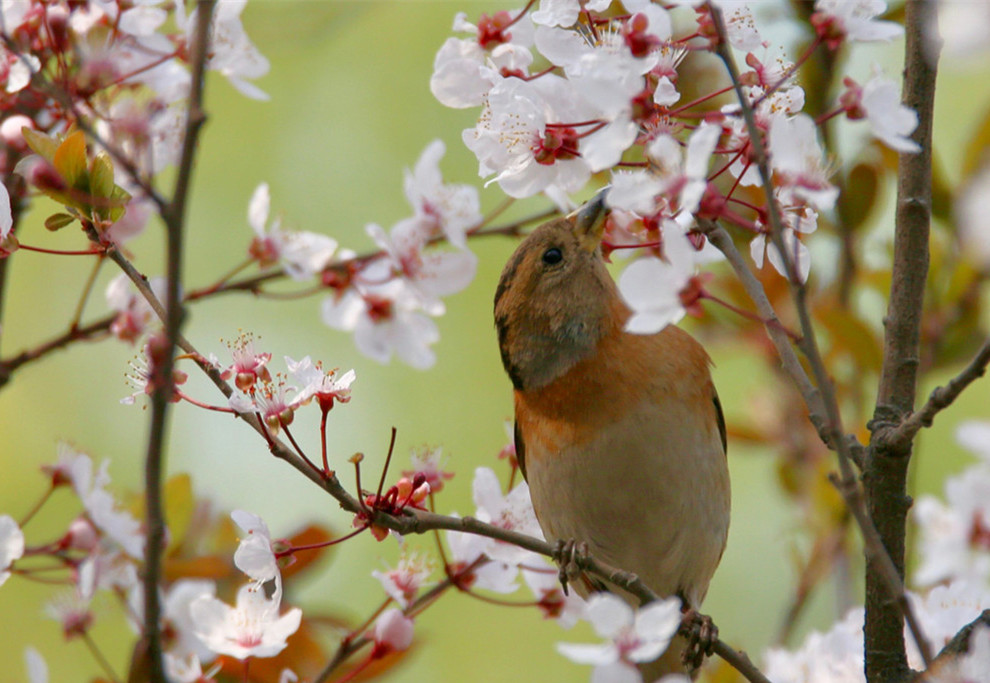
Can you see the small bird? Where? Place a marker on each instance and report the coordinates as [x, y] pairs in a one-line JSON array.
[[620, 436]]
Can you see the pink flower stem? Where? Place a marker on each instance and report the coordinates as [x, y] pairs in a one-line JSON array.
[[87, 289], [388, 461], [703, 98], [37, 506], [200, 404], [219, 284], [521, 14], [57, 252], [323, 438], [825, 116], [352, 674], [302, 455], [725, 168], [749, 315], [326, 544], [98, 656]]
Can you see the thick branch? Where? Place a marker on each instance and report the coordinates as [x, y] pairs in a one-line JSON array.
[[885, 567], [885, 474]]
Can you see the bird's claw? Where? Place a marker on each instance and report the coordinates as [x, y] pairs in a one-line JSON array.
[[569, 556], [701, 633]]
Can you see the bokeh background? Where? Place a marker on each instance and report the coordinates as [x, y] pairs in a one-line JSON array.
[[350, 108]]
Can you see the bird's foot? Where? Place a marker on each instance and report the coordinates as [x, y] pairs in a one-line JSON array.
[[569, 556], [701, 634]]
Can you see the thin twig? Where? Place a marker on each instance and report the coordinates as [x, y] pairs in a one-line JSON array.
[[174, 217], [941, 398]]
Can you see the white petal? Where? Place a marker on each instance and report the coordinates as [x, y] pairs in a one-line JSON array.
[[258, 209], [609, 614]]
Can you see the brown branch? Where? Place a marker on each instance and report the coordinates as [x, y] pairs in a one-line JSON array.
[[885, 566], [940, 398], [958, 647], [885, 474], [174, 217]]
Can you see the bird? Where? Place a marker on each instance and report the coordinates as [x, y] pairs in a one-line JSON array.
[[620, 436]]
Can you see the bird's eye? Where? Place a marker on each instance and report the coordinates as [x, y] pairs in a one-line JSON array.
[[552, 256]]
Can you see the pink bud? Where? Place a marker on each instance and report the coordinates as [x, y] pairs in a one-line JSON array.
[[393, 632]]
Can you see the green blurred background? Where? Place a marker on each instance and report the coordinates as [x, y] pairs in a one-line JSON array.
[[350, 108]]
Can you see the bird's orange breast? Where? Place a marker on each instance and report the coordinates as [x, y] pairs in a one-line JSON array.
[[626, 371]]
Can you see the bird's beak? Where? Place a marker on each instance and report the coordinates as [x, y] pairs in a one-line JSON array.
[[589, 222]]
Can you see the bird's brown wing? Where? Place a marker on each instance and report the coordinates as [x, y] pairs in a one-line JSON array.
[[520, 448], [720, 416]]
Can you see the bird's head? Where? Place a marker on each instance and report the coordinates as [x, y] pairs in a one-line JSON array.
[[555, 299]]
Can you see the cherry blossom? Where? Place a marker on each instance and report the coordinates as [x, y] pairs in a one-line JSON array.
[[465, 69], [393, 632], [955, 535], [835, 656], [11, 545], [469, 563], [254, 555], [72, 610], [943, 611], [659, 290], [232, 53], [631, 636], [512, 511], [854, 20], [187, 669], [518, 141], [134, 313], [303, 254], [450, 209], [252, 628], [326, 386], [181, 628], [797, 220], [116, 524], [404, 581], [567, 609], [430, 275], [798, 160], [879, 101], [385, 320], [565, 12], [429, 463], [249, 366]]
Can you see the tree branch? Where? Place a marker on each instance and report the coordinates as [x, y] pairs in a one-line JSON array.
[[885, 567], [161, 396], [940, 398], [885, 474]]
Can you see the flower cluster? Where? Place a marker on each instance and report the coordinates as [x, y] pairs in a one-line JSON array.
[[123, 67], [572, 89]]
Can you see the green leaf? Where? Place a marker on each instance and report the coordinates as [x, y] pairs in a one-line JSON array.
[[40, 143], [117, 203], [70, 160], [57, 221], [101, 177]]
